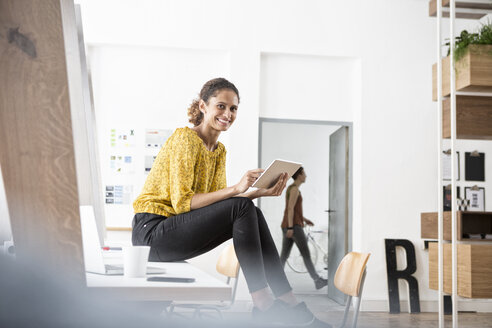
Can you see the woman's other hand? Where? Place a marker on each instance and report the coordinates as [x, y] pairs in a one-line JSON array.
[[308, 222], [289, 233], [248, 179], [277, 189]]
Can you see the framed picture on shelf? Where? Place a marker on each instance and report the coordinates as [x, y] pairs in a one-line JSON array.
[[476, 197]]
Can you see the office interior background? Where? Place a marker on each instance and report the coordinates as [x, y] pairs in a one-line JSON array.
[[367, 63]]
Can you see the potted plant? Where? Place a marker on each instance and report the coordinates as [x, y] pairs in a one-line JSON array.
[[473, 63]]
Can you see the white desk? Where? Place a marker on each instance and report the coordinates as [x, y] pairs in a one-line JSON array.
[[205, 287]]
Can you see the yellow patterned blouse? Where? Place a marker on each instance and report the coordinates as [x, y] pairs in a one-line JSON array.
[[183, 167]]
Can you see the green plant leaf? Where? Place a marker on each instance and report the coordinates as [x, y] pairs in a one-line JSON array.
[[483, 36]]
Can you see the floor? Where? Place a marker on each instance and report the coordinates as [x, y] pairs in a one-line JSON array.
[[331, 312], [302, 283]]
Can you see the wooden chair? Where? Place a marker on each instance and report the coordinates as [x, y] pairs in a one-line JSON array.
[[349, 279], [227, 265]]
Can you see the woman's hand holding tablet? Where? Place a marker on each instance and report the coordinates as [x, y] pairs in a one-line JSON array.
[[273, 172]]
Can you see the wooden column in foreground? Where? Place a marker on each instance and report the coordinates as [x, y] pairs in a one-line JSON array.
[[36, 141]]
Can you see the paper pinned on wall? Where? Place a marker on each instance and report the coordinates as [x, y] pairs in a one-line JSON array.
[[122, 138], [119, 194], [446, 165], [476, 196], [121, 164], [155, 138], [149, 161]]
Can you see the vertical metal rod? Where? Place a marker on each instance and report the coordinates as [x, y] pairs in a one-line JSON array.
[[439, 168], [452, 17]]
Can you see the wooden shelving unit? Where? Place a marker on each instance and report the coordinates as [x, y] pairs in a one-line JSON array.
[[474, 269], [473, 118], [473, 72], [465, 266], [467, 223], [464, 9]]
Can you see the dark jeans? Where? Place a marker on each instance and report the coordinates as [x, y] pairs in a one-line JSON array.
[[190, 234], [300, 239]]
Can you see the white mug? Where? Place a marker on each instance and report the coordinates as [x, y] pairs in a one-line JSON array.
[[135, 260]]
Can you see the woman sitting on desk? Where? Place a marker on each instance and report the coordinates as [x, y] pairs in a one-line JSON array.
[[186, 209]]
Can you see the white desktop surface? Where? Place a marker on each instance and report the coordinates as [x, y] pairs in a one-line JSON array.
[[204, 288]]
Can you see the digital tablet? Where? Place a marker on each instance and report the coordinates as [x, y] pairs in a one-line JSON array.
[[270, 176]]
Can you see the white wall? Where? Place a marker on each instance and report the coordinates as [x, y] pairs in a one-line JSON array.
[[308, 87], [393, 46]]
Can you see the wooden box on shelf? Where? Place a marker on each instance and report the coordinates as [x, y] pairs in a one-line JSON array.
[[467, 223], [474, 269], [428, 225], [473, 71], [480, 8], [473, 117]]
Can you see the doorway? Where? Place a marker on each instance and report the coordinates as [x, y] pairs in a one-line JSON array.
[[324, 149]]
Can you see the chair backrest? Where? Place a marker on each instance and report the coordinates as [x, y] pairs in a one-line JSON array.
[[228, 264], [349, 273]]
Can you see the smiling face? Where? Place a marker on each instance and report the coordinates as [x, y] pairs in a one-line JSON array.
[[221, 110]]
